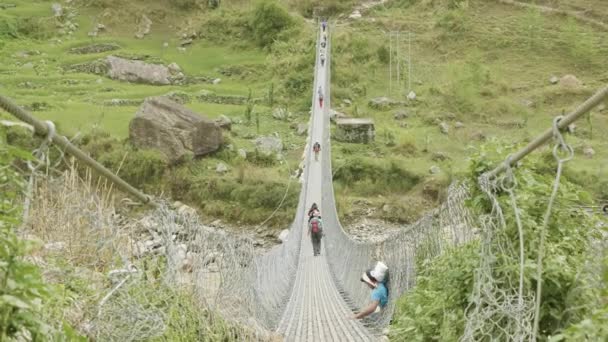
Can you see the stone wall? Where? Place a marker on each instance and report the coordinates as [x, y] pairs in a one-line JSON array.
[[355, 130]]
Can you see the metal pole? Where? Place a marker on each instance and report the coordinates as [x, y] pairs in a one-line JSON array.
[[563, 123], [42, 129]]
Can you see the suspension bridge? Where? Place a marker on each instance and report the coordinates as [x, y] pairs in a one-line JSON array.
[[288, 290]]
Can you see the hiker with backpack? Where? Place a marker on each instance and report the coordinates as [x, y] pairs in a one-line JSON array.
[[315, 231], [313, 212], [376, 278], [320, 92], [316, 149]]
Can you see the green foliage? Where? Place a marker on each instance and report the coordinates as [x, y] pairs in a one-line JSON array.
[[362, 175], [22, 290], [433, 311], [19, 28], [185, 4], [269, 20], [226, 25], [383, 54], [271, 95], [455, 23], [324, 8], [140, 168]]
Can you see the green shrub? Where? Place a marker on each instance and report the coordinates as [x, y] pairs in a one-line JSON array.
[[226, 26], [371, 177], [18, 28], [269, 20], [142, 169]]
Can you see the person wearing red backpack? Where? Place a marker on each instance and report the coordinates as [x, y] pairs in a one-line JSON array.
[[315, 231]]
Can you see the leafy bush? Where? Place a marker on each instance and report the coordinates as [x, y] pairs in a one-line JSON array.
[[19, 28], [372, 177], [141, 168], [226, 25], [433, 311], [269, 20], [325, 8]]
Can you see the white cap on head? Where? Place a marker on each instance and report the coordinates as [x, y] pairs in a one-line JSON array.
[[379, 271]]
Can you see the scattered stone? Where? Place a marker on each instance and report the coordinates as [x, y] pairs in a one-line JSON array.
[[335, 115], [216, 81], [527, 103], [7, 6], [589, 152], [449, 116], [100, 27], [242, 153], [57, 246], [444, 127], [401, 114], [281, 114], [269, 145], [601, 107], [224, 122], [384, 103], [411, 96], [174, 68], [347, 102], [355, 130], [302, 129], [355, 15], [440, 156], [57, 10], [211, 97], [554, 79], [143, 27], [178, 96], [173, 129], [186, 210], [478, 136], [137, 71], [221, 168], [458, 125], [181, 49], [434, 170], [28, 65], [186, 42], [570, 82], [121, 102]]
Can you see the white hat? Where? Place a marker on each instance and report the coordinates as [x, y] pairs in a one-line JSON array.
[[379, 271], [375, 275]]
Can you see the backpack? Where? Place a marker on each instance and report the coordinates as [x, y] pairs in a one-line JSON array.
[[315, 226]]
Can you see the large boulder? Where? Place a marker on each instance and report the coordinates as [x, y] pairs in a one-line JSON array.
[[173, 129], [269, 145], [137, 71], [355, 130], [570, 82], [384, 103]]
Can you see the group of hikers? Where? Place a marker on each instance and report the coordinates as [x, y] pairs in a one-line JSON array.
[[376, 278], [322, 56]]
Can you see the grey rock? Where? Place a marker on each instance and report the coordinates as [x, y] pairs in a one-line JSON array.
[[401, 114], [178, 96], [335, 115], [440, 156], [269, 145], [217, 81], [302, 129], [284, 235], [434, 170], [173, 129], [174, 68], [347, 102], [28, 65], [242, 153], [137, 71], [224, 122], [221, 168], [186, 210], [411, 96], [570, 82], [554, 79], [444, 127], [458, 125], [143, 27], [355, 130], [589, 152], [384, 103], [571, 128], [281, 114]]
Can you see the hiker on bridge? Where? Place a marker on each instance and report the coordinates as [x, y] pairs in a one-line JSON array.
[[315, 231], [320, 92], [324, 25], [313, 212], [316, 148], [322, 57], [376, 279]]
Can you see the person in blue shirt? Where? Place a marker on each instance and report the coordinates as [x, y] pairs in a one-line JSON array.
[[376, 279]]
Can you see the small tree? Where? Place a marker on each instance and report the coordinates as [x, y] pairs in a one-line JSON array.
[[271, 95], [269, 20], [249, 108]]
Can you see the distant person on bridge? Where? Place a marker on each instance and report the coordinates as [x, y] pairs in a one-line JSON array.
[[315, 231], [324, 37], [324, 24], [316, 148], [376, 279], [320, 92], [313, 212], [322, 56]]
